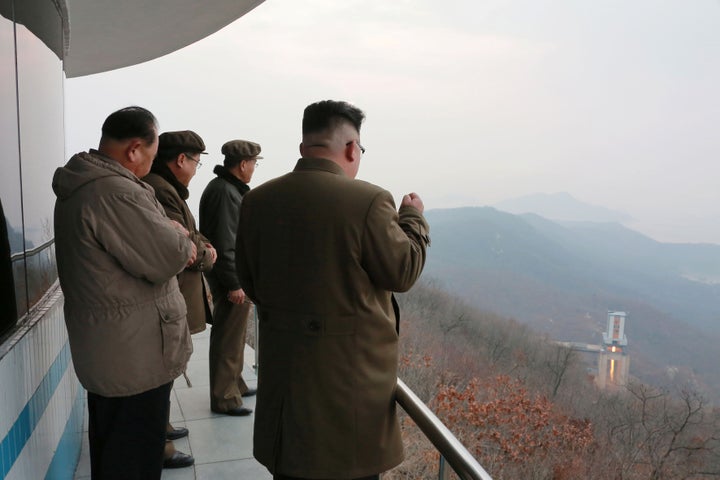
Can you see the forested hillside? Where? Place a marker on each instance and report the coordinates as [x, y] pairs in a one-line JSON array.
[[527, 409], [562, 278]]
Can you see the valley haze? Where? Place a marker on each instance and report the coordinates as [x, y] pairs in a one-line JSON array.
[[562, 277], [468, 103], [478, 103]]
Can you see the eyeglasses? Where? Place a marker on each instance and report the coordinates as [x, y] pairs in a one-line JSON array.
[[196, 160], [362, 149]]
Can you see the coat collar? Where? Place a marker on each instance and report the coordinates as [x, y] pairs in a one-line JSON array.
[[109, 163], [225, 174], [161, 169], [322, 164]]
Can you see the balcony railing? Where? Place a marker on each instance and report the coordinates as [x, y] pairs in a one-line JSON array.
[[34, 271], [31, 252], [451, 450]]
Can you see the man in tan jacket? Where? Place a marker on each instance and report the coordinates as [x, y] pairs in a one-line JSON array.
[[320, 254], [118, 255]]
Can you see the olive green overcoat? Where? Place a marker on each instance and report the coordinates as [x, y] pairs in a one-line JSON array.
[[320, 255]]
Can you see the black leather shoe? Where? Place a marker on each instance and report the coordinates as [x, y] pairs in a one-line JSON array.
[[236, 412], [176, 433], [178, 460], [250, 392]]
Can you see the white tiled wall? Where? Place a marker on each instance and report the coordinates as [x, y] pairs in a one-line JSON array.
[[22, 371]]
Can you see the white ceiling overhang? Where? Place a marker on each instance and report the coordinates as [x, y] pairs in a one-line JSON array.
[[109, 34]]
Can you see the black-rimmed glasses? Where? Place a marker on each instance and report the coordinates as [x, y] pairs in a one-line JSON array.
[[362, 149], [196, 160]]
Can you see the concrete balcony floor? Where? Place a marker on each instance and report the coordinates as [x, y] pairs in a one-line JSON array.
[[221, 445]]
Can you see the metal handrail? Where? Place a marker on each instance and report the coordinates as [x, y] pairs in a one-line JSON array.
[[450, 448], [33, 251]]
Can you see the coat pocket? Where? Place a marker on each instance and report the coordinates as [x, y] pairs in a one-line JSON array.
[[175, 333]]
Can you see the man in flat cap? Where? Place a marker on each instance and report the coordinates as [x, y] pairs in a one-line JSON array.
[[219, 212], [176, 163]]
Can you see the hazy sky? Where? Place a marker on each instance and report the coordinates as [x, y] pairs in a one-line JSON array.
[[468, 102]]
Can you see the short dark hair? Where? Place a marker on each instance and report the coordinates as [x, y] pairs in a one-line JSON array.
[[327, 114], [231, 162], [166, 155], [131, 122]]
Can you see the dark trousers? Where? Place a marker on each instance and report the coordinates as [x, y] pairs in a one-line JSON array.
[[127, 434], [283, 477]]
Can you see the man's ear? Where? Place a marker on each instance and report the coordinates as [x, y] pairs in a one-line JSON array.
[[349, 148], [301, 148], [132, 150], [180, 159]]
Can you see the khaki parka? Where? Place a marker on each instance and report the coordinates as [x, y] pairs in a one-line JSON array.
[[172, 195], [320, 255], [117, 257]]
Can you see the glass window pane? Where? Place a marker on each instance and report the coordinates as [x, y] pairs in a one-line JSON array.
[[14, 272], [42, 150]]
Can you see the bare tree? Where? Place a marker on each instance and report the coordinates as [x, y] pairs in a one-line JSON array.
[[558, 362], [652, 434]]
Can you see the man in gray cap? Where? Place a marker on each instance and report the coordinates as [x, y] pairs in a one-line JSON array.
[[219, 213], [176, 163]]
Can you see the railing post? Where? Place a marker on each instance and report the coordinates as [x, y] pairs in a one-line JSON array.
[[465, 466], [443, 473]]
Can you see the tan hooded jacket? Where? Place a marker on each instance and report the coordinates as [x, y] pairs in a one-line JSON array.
[[117, 257]]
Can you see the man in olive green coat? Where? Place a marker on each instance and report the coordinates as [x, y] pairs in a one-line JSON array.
[[320, 254]]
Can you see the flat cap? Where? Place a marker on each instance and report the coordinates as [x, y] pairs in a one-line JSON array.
[[241, 149], [185, 140]]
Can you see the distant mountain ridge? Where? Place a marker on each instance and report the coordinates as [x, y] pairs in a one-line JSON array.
[[562, 277], [560, 206]]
